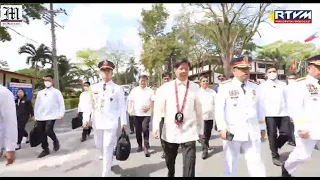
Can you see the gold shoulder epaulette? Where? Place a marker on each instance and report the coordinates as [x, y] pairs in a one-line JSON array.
[[300, 79], [227, 81], [253, 82]]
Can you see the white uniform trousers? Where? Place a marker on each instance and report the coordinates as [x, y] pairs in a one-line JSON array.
[[301, 153], [105, 141], [252, 154]]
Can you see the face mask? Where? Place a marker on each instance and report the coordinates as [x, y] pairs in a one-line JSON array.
[[47, 84], [86, 88], [272, 76], [291, 81]]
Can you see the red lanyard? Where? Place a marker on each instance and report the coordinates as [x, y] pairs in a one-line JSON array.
[[177, 97]]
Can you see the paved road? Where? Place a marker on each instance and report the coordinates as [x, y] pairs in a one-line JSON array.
[[76, 159]]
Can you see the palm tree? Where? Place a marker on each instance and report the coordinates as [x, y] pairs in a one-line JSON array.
[[69, 76], [41, 55], [132, 67]]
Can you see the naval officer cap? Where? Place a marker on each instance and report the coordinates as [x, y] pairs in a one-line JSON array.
[[315, 60], [106, 65], [241, 62]]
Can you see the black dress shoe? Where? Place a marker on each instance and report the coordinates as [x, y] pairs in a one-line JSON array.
[[284, 172], [44, 153], [139, 149], [291, 143], [146, 152], [163, 156], [204, 155], [277, 162], [56, 146], [18, 147]]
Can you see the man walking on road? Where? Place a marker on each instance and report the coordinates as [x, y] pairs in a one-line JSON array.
[[291, 79], [8, 125], [274, 98], [141, 104], [159, 94], [49, 107], [83, 103], [183, 123], [207, 99], [303, 105], [240, 120], [107, 105]]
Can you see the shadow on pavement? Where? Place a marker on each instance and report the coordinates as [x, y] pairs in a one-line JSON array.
[[78, 166], [284, 156], [141, 171]]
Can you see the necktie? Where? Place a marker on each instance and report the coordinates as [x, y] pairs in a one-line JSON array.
[[104, 87], [242, 87]]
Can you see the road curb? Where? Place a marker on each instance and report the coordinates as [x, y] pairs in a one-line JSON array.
[[67, 111], [70, 110]]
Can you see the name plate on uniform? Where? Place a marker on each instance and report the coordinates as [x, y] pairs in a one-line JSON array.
[[234, 94], [313, 90]]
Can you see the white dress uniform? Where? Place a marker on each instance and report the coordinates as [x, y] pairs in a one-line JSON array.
[[106, 106], [8, 120], [242, 114], [304, 103]]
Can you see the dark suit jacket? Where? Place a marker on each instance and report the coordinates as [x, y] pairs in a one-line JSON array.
[[24, 109]]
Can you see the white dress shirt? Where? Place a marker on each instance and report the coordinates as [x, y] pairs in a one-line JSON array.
[[273, 95], [158, 110], [141, 98], [304, 106], [49, 105], [192, 125], [240, 113], [106, 106], [207, 99], [83, 101], [8, 120]]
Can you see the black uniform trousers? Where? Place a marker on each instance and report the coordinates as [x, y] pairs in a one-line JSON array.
[[131, 123], [21, 128], [188, 155], [275, 124], [86, 131], [142, 124], [292, 137], [45, 128], [208, 125], [160, 131]]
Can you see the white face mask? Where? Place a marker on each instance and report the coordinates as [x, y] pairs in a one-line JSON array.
[[272, 76], [47, 84], [291, 81], [86, 88]]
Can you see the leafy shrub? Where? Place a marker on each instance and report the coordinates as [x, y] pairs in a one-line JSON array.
[[71, 103]]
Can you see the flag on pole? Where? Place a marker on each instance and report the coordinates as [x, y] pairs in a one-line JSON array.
[[310, 38], [293, 65]]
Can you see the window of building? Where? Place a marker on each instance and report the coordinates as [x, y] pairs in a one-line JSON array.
[[262, 65], [15, 80]]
